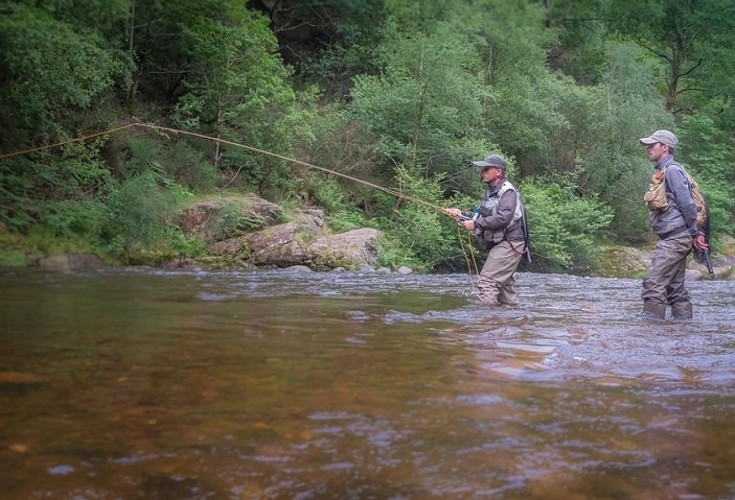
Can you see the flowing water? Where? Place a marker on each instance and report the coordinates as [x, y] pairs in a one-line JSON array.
[[135, 383]]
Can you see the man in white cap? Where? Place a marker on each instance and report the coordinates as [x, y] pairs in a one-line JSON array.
[[501, 223], [676, 227]]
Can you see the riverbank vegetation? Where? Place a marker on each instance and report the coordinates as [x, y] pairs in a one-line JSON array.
[[402, 94]]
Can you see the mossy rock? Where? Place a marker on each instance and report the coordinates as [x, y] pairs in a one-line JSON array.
[[620, 262]]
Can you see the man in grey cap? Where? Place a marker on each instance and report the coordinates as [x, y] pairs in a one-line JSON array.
[[676, 226], [501, 224]]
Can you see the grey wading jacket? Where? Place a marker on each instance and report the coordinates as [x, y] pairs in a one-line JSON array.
[[681, 213], [501, 215]]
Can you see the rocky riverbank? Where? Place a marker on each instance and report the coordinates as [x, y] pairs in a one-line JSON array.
[[250, 232]]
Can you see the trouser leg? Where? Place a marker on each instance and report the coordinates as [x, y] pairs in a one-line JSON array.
[[496, 282], [682, 310], [664, 282], [677, 294], [654, 308]]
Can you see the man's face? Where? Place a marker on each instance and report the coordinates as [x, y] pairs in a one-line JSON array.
[[656, 151], [491, 174]]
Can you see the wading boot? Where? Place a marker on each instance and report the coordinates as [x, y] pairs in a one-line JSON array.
[[681, 310], [654, 309]]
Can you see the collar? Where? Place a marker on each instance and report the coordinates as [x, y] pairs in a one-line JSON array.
[[495, 188], [665, 162]]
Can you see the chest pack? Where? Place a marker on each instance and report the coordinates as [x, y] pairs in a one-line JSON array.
[[655, 198], [490, 205]]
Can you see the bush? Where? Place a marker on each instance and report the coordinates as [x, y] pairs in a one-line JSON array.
[[414, 226], [563, 226], [139, 211], [70, 219]]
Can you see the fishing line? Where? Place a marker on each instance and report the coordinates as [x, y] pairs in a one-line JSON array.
[[467, 254], [62, 143], [171, 130]]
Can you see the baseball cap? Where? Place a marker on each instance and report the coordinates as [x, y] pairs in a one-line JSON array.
[[662, 136], [496, 161]]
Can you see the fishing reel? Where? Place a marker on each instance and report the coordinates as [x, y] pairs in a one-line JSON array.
[[475, 215]]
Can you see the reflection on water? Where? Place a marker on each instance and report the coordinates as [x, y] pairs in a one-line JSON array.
[[143, 384]]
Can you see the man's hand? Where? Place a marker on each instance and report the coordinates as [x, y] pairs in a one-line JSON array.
[[700, 243], [468, 224]]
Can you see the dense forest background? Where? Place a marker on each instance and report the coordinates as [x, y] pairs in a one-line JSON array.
[[400, 93]]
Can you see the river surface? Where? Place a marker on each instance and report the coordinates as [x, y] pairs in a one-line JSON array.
[[138, 383]]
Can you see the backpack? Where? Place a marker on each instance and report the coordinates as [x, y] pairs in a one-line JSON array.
[[655, 197]]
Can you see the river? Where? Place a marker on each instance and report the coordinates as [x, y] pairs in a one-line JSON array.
[[140, 383]]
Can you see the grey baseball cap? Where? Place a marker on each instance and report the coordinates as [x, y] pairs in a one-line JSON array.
[[662, 136], [496, 161]]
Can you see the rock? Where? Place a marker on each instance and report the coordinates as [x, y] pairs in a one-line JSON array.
[[286, 244], [693, 275], [232, 247], [71, 262], [621, 262], [305, 241], [223, 218], [358, 247], [405, 270]]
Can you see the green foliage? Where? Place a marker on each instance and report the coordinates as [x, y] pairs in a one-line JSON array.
[[51, 71], [139, 211], [425, 107], [179, 160], [11, 253], [327, 192], [29, 186], [709, 156], [74, 219], [347, 220], [185, 245], [563, 226], [394, 92], [392, 254], [240, 94], [12, 258], [422, 233]]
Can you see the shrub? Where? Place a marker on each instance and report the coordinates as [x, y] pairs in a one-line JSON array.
[[138, 212], [563, 226]]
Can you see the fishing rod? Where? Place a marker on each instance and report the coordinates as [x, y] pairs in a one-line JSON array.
[[160, 128], [389, 191], [172, 130]]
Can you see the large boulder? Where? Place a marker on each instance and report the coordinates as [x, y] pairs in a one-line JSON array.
[[352, 249], [227, 217], [304, 241], [286, 244], [621, 262]]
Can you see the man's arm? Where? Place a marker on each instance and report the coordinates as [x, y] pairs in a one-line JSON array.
[[678, 185]]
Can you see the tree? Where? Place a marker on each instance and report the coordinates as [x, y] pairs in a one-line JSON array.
[[692, 39], [426, 107], [56, 69]]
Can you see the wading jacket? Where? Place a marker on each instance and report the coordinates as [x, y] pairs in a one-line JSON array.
[[501, 215], [681, 213]]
